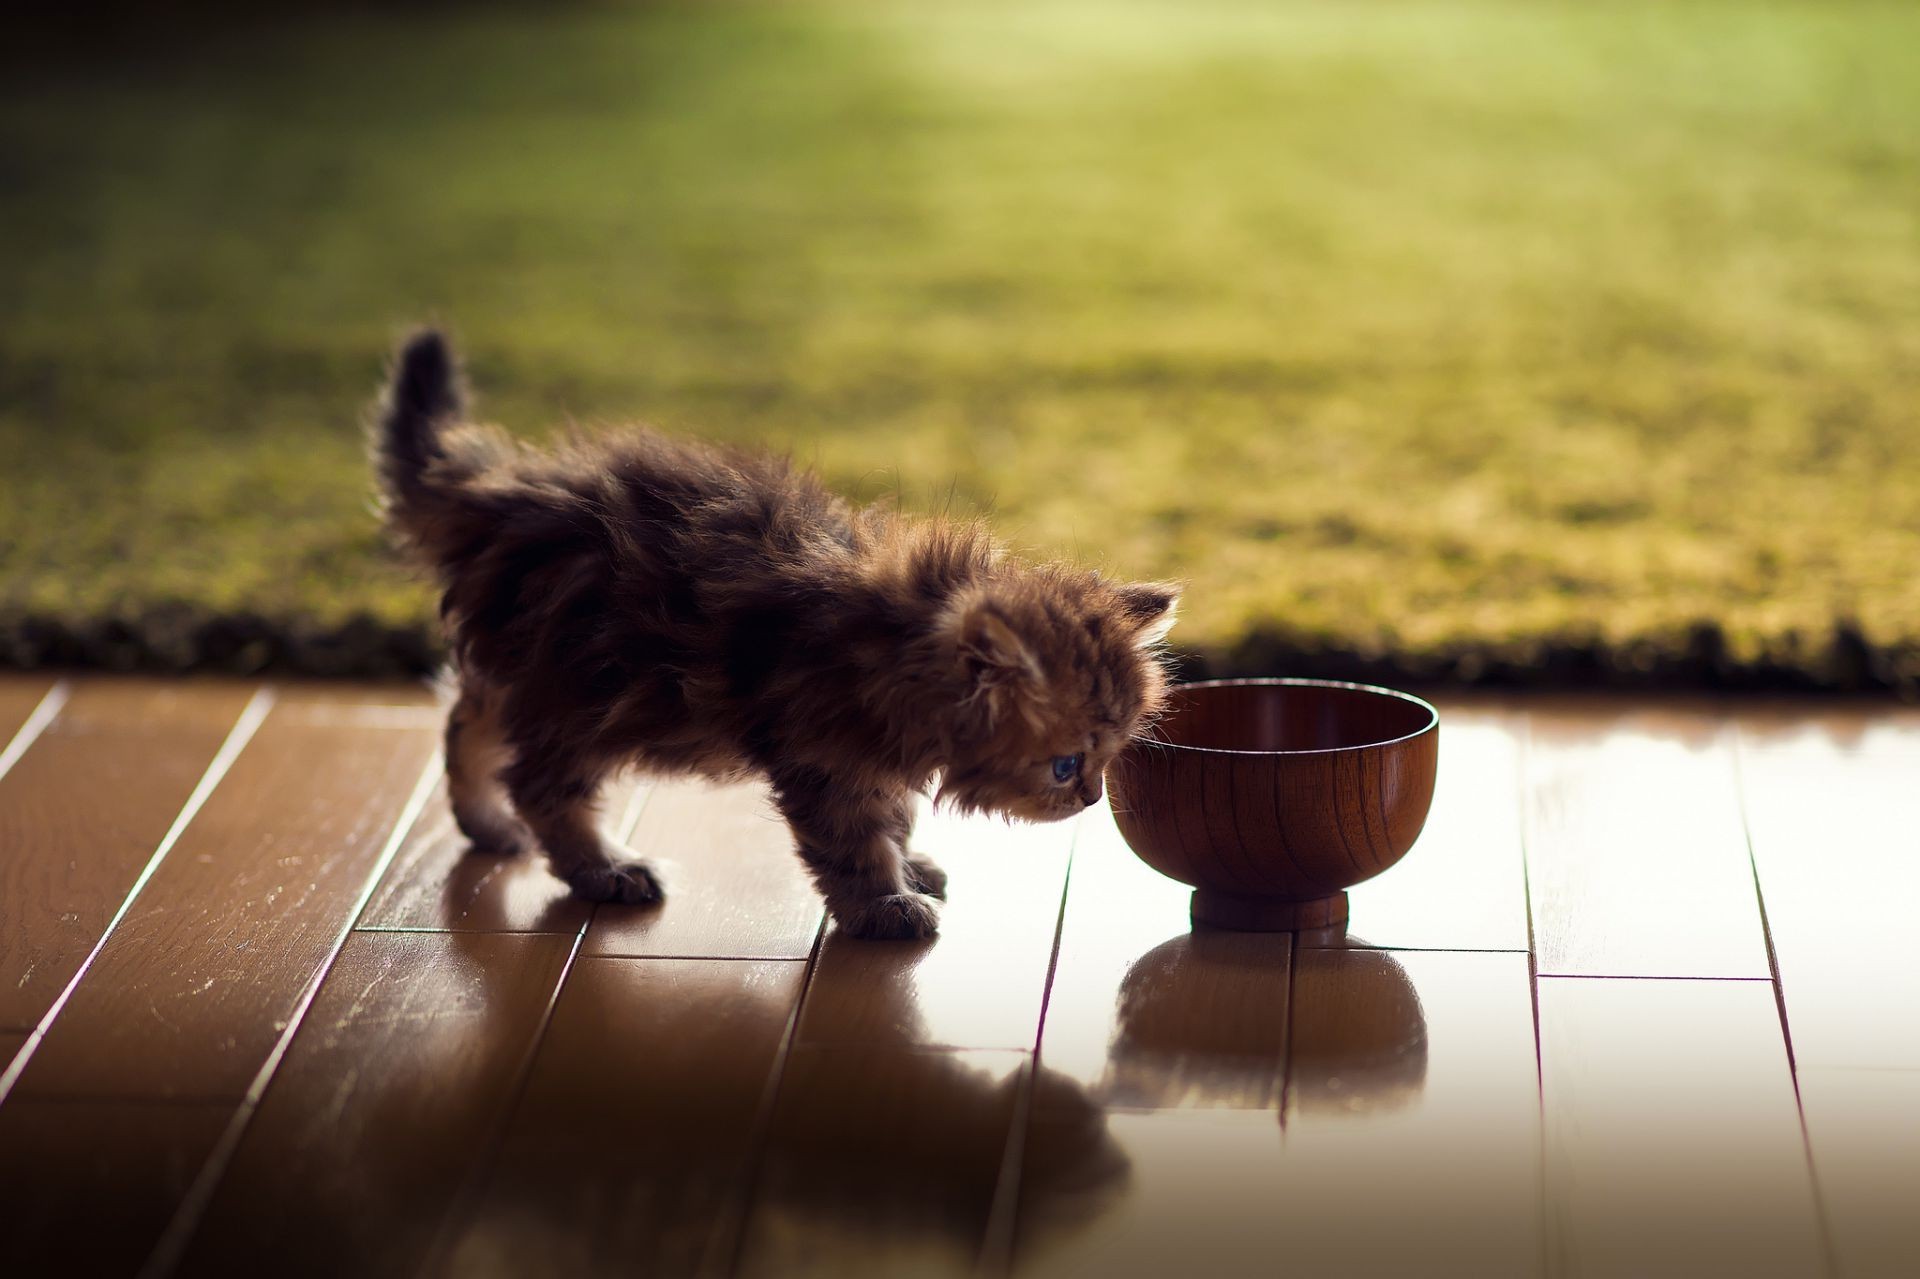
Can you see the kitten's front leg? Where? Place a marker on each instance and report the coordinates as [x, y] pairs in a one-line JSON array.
[[853, 843], [924, 875], [920, 872]]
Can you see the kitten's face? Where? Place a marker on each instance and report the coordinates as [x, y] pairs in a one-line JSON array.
[[1065, 670]]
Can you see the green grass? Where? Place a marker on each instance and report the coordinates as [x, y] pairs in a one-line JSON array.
[[1437, 335]]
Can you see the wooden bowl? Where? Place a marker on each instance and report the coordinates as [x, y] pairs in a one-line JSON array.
[[1272, 797]]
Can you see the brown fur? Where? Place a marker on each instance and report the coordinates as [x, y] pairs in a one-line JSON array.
[[651, 602]]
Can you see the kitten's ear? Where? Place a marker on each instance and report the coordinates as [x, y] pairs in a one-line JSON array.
[[993, 650], [1150, 607]]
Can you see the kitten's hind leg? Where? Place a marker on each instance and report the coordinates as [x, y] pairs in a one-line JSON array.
[[477, 754], [559, 806], [852, 842]]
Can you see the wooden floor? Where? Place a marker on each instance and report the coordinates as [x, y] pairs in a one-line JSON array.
[[1643, 1001]]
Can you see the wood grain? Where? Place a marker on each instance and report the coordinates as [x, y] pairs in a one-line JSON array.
[[1463, 885], [1673, 1141], [437, 880], [81, 813], [881, 1160], [395, 1086], [87, 1186], [1833, 805], [734, 886], [1864, 1130], [1636, 849], [1409, 1097], [630, 1147], [192, 990], [1145, 1011], [981, 982]]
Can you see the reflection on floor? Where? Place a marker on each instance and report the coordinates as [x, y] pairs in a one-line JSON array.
[[1640, 1002]]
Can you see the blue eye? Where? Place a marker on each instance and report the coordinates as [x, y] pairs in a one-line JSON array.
[[1066, 767]]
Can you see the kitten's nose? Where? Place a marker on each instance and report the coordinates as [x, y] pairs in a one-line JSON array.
[[1090, 790]]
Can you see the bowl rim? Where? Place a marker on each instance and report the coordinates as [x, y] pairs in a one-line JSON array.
[[1432, 724]]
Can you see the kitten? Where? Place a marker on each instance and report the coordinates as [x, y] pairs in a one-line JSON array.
[[653, 602]]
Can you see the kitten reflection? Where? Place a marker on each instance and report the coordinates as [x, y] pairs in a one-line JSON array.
[[883, 1137], [906, 1152], [1216, 1019]]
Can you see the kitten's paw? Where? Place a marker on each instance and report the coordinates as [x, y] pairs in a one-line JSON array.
[[897, 917], [925, 876], [630, 882]]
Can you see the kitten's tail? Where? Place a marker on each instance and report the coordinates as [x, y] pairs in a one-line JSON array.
[[423, 399]]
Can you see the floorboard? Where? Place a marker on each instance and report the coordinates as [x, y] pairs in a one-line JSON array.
[[439, 882], [1406, 1094], [313, 1042], [20, 696], [1864, 1130], [979, 984], [1833, 811], [392, 1091], [1673, 1139], [1636, 849], [395, 703], [1146, 1012], [630, 1148], [86, 1186], [882, 1160], [1412, 1095], [71, 858], [734, 887], [192, 990]]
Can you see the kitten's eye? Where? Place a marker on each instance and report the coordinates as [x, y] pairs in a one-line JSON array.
[[1066, 768]]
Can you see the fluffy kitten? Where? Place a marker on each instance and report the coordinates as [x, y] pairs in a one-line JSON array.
[[645, 601]]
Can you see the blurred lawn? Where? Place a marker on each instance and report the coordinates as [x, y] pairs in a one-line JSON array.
[[1450, 332]]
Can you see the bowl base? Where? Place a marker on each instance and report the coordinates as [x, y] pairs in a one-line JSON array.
[[1267, 914]]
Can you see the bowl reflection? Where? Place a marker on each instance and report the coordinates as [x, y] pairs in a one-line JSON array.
[[1233, 1020]]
